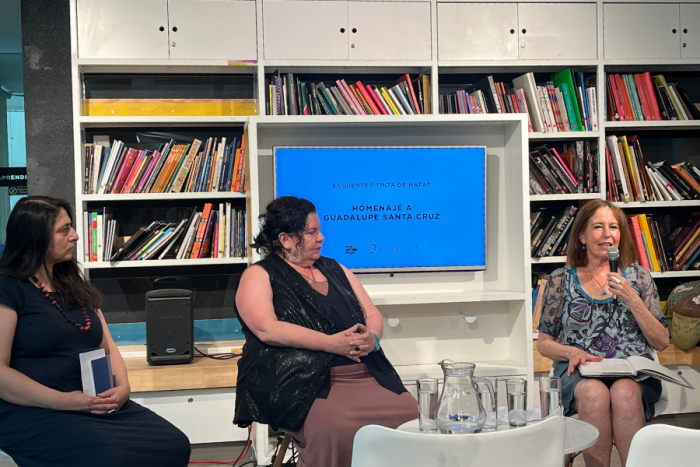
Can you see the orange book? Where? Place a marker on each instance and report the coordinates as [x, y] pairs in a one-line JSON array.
[[636, 231], [239, 167], [366, 98], [361, 100], [624, 95], [201, 229], [160, 182], [177, 162], [688, 179]]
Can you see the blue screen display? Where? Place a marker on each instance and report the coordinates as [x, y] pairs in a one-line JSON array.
[[392, 208]]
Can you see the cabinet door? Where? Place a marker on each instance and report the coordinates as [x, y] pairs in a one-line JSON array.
[[389, 31], [557, 31], [212, 29], [477, 31], [641, 31], [311, 30], [690, 30], [122, 28]]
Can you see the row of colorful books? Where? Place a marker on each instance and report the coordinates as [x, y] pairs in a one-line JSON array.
[[677, 251], [208, 233], [653, 243], [549, 231], [642, 97], [170, 169], [573, 170], [287, 95], [631, 179], [567, 102]]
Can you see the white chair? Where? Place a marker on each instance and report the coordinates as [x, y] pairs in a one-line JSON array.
[[656, 445], [538, 445]]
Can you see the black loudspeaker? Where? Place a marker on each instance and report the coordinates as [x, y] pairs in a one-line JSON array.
[[169, 326]]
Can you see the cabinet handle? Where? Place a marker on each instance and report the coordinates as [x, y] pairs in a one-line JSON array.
[[685, 31], [161, 29], [173, 44], [190, 400], [174, 28], [512, 31], [354, 30], [673, 31], [342, 30], [680, 372], [524, 31], [684, 44]]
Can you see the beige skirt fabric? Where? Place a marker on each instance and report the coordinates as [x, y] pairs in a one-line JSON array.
[[355, 400]]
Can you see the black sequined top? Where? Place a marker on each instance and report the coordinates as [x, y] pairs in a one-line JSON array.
[[278, 385]]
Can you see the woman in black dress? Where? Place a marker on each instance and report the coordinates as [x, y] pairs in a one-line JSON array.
[[49, 314]]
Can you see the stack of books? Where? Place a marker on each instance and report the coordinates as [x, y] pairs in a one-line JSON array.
[[630, 179], [549, 231], [287, 95], [565, 102], [643, 97], [205, 233], [654, 246], [173, 168], [573, 170]]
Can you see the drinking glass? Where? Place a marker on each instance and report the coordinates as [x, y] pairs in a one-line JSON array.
[[516, 390], [427, 404], [486, 398], [550, 396]]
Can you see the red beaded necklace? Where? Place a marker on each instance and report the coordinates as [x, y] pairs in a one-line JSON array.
[[53, 301]]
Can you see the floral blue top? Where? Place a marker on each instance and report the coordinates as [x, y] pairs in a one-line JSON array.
[[571, 316]]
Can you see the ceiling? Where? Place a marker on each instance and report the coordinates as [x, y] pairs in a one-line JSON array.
[[10, 46]]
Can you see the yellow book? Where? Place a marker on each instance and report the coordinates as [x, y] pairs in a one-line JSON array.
[[633, 169], [644, 225], [661, 81], [388, 100]]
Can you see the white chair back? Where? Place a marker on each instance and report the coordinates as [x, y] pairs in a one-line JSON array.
[[538, 445], [657, 445]]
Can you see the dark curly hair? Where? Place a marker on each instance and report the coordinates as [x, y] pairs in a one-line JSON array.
[[286, 214]]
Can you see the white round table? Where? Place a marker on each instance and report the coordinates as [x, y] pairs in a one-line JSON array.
[[579, 435]]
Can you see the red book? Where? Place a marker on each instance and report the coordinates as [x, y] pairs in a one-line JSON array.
[[125, 170], [618, 102], [363, 91], [624, 99], [135, 170], [636, 231], [206, 250], [410, 87], [375, 98], [649, 88], [643, 99]]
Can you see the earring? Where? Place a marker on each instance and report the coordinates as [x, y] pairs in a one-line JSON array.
[[583, 247]]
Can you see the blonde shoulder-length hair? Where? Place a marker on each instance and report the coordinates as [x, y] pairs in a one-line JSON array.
[[576, 255]]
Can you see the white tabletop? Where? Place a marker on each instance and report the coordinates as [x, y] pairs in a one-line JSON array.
[[579, 435]]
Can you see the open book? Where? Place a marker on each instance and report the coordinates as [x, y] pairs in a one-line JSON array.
[[636, 367]]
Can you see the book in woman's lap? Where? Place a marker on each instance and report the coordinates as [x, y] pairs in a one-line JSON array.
[[635, 367]]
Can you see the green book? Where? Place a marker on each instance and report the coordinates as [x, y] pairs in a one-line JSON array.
[[327, 97], [561, 79], [569, 101]]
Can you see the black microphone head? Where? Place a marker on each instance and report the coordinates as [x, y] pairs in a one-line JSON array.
[[613, 253]]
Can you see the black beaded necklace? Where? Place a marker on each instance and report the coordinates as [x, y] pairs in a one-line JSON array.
[[88, 322]]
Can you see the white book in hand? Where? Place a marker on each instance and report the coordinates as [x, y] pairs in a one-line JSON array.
[[636, 367], [96, 372]]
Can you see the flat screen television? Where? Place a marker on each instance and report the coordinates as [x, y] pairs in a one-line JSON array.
[[393, 209]]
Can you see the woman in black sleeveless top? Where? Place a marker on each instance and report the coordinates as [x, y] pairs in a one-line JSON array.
[[312, 363]]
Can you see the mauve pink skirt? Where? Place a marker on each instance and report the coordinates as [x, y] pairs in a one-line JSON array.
[[355, 400]]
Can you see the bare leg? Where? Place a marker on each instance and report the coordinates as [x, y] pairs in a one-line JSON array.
[[627, 414], [592, 402]]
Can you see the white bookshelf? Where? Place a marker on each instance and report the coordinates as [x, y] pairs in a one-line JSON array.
[[499, 297], [162, 263]]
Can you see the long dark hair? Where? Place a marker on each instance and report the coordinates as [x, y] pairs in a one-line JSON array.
[[576, 255], [30, 230], [286, 214]]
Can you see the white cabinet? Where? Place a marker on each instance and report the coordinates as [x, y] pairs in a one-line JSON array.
[[204, 415], [158, 29], [557, 31], [387, 31], [641, 31], [227, 29], [508, 31], [690, 30], [123, 29], [477, 31]]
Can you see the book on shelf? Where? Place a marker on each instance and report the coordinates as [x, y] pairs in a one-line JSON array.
[[573, 168], [635, 367], [540, 282], [565, 102], [171, 168], [288, 95], [630, 178], [550, 230], [222, 236], [643, 97]]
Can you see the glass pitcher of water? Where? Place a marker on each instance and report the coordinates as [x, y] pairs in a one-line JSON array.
[[459, 409]]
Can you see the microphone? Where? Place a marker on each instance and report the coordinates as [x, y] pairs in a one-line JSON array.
[[613, 255]]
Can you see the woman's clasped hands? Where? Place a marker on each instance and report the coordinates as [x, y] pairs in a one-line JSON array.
[[106, 402], [354, 343]]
